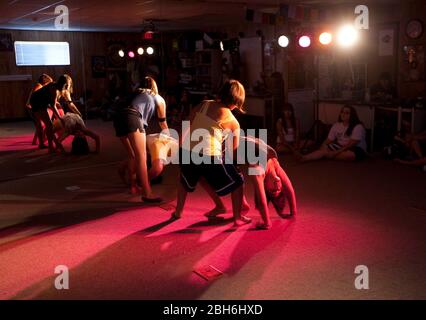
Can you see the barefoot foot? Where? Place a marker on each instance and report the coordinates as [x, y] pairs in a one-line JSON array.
[[241, 221], [215, 212]]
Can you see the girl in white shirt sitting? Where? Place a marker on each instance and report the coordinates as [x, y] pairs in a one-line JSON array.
[[345, 141]]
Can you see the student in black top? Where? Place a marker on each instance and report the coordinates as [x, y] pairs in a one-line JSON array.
[[47, 98]]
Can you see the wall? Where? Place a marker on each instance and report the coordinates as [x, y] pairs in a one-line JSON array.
[[83, 45], [410, 10]]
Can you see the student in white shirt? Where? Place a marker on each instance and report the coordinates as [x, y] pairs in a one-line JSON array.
[[345, 141]]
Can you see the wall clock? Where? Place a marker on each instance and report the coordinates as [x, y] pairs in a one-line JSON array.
[[414, 29]]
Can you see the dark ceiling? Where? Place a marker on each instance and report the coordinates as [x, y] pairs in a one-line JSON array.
[[132, 15]]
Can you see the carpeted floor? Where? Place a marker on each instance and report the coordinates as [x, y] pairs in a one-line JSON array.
[[74, 211]]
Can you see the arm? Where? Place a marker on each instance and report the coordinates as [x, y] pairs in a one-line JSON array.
[[71, 105], [234, 127], [53, 102], [161, 113], [287, 187], [260, 196], [95, 137]]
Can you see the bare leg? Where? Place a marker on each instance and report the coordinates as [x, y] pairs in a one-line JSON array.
[[39, 132], [261, 202], [345, 156], [418, 162], [316, 155], [157, 168], [181, 198], [138, 142], [130, 166], [237, 200], [220, 207], [43, 116]]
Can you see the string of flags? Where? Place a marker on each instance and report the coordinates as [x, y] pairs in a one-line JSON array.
[[286, 12]]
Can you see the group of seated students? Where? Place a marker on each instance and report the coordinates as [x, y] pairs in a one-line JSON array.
[[46, 104], [346, 140]]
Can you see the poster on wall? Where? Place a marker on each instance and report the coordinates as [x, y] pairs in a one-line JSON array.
[[386, 40], [6, 43], [98, 67]]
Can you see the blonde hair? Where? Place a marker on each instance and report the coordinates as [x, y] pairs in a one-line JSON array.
[[149, 83], [233, 93]]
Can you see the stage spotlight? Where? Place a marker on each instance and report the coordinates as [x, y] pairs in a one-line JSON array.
[[221, 46], [347, 36], [283, 41], [140, 51], [304, 41], [149, 50], [121, 53], [325, 38], [131, 54]]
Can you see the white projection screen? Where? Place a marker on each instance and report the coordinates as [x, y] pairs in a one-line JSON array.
[[42, 53]]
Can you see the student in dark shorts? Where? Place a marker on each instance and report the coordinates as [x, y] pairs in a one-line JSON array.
[[212, 121], [270, 182], [130, 122], [43, 80], [44, 99]]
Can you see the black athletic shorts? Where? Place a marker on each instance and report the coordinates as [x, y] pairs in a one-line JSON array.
[[127, 121], [222, 177]]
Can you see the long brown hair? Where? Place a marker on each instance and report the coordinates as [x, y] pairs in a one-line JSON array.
[[149, 83], [353, 119], [288, 106], [62, 83]]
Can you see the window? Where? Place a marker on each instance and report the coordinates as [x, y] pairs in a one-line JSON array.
[[42, 53]]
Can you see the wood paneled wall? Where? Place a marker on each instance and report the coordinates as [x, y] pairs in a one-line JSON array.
[[83, 45]]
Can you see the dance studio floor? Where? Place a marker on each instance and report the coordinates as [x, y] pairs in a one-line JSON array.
[[74, 211]]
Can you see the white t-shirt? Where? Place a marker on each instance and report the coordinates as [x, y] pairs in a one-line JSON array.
[[337, 134], [71, 120]]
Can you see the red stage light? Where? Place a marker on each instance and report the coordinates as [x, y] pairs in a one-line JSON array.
[[131, 54], [148, 35]]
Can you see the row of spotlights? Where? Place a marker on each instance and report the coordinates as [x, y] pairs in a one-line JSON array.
[[347, 36], [140, 52]]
